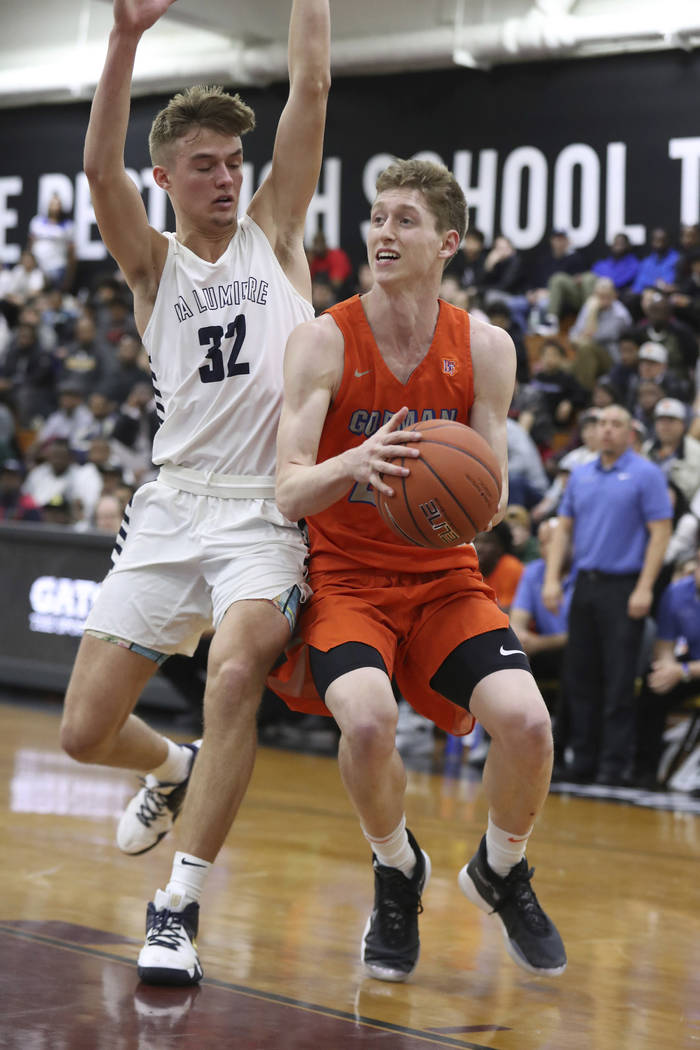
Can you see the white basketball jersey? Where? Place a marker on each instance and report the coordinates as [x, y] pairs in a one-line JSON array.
[[216, 342]]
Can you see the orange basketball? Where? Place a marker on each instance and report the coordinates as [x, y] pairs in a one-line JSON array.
[[452, 491]]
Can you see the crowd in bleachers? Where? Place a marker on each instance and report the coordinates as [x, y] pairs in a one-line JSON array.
[[77, 415]]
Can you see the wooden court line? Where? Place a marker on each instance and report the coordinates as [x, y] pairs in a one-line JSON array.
[[252, 993]]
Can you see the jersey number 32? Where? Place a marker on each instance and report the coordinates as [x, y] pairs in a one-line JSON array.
[[212, 337]]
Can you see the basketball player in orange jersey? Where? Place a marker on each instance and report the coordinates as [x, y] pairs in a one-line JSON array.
[[381, 608]]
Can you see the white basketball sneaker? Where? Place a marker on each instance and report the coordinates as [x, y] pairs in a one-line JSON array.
[[153, 810], [169, 955]]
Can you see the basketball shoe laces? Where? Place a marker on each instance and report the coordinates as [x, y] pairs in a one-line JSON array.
[[167, 930], [399, 899], [522, 893], [153, 806]]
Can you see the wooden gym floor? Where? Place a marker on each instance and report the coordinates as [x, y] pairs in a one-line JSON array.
[[286, 905]]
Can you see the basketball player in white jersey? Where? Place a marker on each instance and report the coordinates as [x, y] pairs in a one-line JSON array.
[[204, 543]]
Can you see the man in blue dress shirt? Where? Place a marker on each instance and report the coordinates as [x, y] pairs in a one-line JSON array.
[[616, 512]]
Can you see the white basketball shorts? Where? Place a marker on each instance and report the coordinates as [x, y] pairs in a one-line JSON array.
[[182, 559]]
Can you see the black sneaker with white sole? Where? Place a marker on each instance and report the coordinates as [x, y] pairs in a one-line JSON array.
[[390, 943], [169, 955], [532, 939], [152, 811]]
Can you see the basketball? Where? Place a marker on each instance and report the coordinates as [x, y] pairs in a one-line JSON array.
[[452, 491]]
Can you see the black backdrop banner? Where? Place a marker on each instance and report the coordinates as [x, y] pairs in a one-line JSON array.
[[594, 146]]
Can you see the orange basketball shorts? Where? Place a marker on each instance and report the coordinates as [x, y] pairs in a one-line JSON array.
[[413, 620]]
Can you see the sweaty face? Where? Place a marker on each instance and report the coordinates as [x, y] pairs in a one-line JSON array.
[[403, 240], [204, 177]]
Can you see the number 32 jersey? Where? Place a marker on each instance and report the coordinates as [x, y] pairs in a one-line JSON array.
[[216, 341]]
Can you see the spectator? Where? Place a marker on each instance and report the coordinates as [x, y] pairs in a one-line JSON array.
[[649, 393], [586, 451], [60, 511], [135, 427], [18, 285], [119, 321], [526, 547], [686, 299], [503, 271], [542, 633], [560, 395], [68, 421], [468, 264], [658, 268], [51, 241], [101, 422], [672, 448], [621, 265], [624, 374], [682, 547], [617, 512], [84, 359], [673, 674], [499, 566], [527, 478], [604, 393], [322, 294], [126, 371], [109, 512], [596, 333], [653, 364], [58, 314], [15, 505], [452, 292], [564, 285], [61, 476], [689, 243], [659, 326], [27, 376], [498, 313], [332, 263]]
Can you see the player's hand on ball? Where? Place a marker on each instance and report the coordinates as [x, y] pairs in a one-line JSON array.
[[375, 456]]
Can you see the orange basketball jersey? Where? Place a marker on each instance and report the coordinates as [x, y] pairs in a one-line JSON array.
[[350, 533]]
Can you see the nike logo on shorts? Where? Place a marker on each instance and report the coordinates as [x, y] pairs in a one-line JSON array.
[[359, 375], [511, 652]]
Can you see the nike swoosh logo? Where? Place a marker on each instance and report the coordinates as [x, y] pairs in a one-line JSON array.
[[511, 652], [359, 375], [192, 864], [511, 839]]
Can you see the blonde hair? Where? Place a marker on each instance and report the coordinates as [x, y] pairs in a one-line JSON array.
[[198, 107], [442, 192]]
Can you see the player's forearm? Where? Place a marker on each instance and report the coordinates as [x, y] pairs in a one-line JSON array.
[[303, 490], [310, 44], [109, 115]]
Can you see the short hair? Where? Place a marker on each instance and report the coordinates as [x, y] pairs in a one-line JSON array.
[[198, 107], [442, 192]]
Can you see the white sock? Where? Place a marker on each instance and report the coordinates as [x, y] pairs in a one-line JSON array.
[[504, 849], [176, 766], [186, 880], [394, 850]]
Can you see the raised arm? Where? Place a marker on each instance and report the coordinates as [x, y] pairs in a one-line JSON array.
[[494, 361], [313, 368], [120, 212], [281, 203]]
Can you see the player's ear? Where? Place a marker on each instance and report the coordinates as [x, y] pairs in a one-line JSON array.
[[161, 177], [450, 244]]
